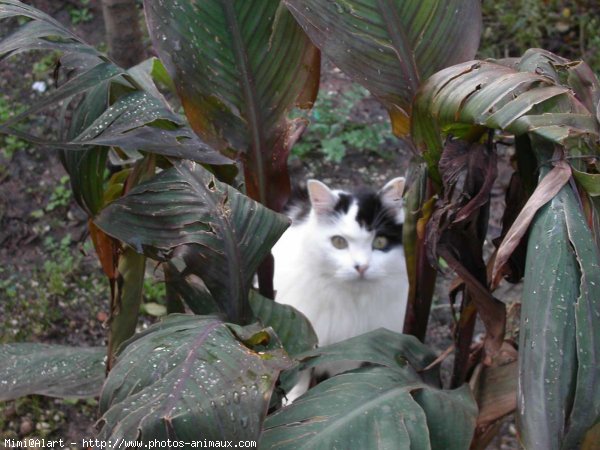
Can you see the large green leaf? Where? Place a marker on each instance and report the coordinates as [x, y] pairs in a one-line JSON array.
[[526, 98], [374, 408], [53, 370], [139, 121], [559, 348], [381, 347], [213, 230], [189, 378], [586, 404], [292, 327], [392, 46], [152, 126], [239, 66]]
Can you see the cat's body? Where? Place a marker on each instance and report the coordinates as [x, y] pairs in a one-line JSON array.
[[341, 263]]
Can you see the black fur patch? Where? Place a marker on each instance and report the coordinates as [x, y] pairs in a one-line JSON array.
[[343, 204], [373, 216]]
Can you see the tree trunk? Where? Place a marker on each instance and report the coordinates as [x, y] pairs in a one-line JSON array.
[[123, 33]]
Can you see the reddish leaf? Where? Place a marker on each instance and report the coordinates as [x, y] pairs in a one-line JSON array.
[[550, 185]]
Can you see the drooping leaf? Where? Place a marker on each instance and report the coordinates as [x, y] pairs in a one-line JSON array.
[[139, 121], [184, 212], [374, 407], [291, 326], [188, 375], [41, 33], [526, 98], [149, 73], [545, 191], [239, 68], [515, 198], [52, 370], [456, 232], [91, 71], [495, 386], [391, 47]]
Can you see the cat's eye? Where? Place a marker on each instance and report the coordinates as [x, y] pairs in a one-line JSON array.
[[380, 242], [339, 242]]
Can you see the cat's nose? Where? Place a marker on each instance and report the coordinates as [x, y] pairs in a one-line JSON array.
[[361, 268]]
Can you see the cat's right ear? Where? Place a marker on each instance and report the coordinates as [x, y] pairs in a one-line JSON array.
[[322, 199]]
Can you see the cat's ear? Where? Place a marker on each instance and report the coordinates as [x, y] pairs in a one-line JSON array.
[[322, 199], [391, 193]]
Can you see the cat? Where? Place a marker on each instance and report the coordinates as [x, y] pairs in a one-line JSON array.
[[341, 263]]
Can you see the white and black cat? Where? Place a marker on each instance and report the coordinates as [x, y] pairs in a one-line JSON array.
[[341, 262]]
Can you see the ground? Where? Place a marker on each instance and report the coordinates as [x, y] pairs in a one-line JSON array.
[[51, 286]]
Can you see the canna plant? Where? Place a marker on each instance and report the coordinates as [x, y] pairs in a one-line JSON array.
[[239, 68]]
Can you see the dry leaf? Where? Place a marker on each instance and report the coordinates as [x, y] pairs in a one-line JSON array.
[[550, 185]]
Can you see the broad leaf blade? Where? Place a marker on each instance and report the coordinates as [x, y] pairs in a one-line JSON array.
[[381, 347], [291, 326], [139, 121], [361, 409], [451, 416], [188, 375], [184, 212], [239, 68], [547, 347], [391, 47], [52, 370], [586, 404], [374, 407]]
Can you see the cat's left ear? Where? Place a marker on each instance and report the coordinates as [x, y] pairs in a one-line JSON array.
[[391, 193]]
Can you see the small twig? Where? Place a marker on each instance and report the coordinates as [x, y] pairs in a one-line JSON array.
[[440, 358]]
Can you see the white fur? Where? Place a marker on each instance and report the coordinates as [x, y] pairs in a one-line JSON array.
[[322, 282]]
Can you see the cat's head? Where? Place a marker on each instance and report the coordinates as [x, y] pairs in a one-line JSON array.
[[357, 235]]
